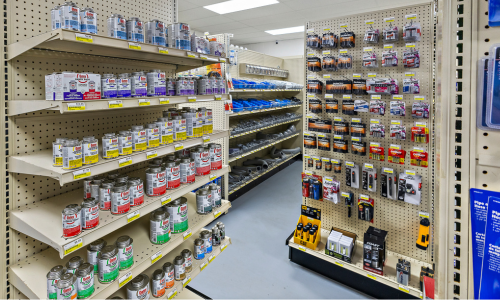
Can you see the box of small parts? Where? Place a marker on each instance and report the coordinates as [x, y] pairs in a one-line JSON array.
[[341, 244], [308, 229]]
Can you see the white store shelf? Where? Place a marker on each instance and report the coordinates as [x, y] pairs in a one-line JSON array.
[[17, 107], [248, 112], [389, 277], [263, 128], [40, 163], [66, 40], [27, 219], [263, 147], [28, 275], [180, 286]]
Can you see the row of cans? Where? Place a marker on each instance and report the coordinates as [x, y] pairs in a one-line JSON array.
[[69, 16]]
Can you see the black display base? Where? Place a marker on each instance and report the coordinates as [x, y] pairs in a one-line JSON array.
[[198, 293], [349, 278], [264, 177]]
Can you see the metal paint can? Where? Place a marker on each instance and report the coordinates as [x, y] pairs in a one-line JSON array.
[[109, 86], [66, 287], [188, 260], [122, 178], [157, 83], [156, 182], [215, 156], [117, 27], [179, 126], [105, 194], [73, 264], [162, 124], [139, 84], [206, 236], [70, 16], [139, 138], [123, 85], [93, 250], [53, 277], [87, 191], [55, 15], [158, 283], [199, 249], [188, 170], [90, 213], [215, 236], [173, 173], [171, 87], [138, 288], [109, 146], [179, 271], [124, 143], [215, 191], [85, 281], [57, 155], [108, 264], [90, 151], [88, 22], [120, 198], [136, 187], [72, 154], [168, 268], [202, 112], [209, 122], [201, 158], [156, 33], [113, 175], [178, 210], [190, 120], [135, 30], [125, 246], [159, 227], [94, 187], [71, 221], [153, 135], [203, 201]]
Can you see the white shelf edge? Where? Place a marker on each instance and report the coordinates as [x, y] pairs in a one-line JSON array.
[[263, 128], [262, 110], [263, 147]]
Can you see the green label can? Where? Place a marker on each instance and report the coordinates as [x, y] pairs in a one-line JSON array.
[[125, 252], [159, 231], [85, 281], [108, 264]]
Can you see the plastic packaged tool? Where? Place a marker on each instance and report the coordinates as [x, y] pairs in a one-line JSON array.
[[360, 105], [388, 184], [330, 40], [377, 107], [420, 110], [376, 129], [389, 58], [312, 186], [482, 95], [359, 86], [371, 36], [493, 88], [347, 39], [366, 208], [398, 108], [314, 41], [331, 188], [411, 86], [369, 178], [411, 58], [344, 61], [370, 60], [391, 33], [412, 32], [377, 152], [329, 63], [349, 201], [352, 174], [410, 187], [314, 64]]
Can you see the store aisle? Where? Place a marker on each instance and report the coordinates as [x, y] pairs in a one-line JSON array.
[[256, 265]]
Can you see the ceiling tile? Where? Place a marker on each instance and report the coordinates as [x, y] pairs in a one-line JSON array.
[[243, 30], [202, 22], [298, 5], [184, 5], [269, 10], [195, 14], [224, 28], [204, 2], [279, 25]]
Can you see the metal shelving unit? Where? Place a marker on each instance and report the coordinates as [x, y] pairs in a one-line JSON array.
[[248, 112], [263, 90], [26, 274], [267, 127], [263, 147]]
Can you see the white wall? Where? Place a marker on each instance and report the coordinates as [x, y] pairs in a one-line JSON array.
[[282, 49]]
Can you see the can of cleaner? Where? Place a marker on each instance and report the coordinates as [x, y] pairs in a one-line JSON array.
[[215, 156], [71, 221], [206, 236], [138, 288], [209, 122], [57, 155], [93, 250], [156, 182], [86, 187], [125, 247], [109, 86], [187, 167], [85, 281], [168, 269], [139, 138], [215, 191], [188, 260], [90, 147], [123, 86], [55, 15], [179, 271], [178, 211], [120, 198], [108, 264], [72, 154], [88, 22], [121, 178], [90, 213], [113, 175], [66, 287], [124, 143], [105, 194], [179, 124], [156, 33], [94, 187], [190, 121], [215, 236], [159, 227], [173, 174], [201, 158], [171, 87], [73, 264], [109, 146], [157, 83], [153, 135], [203, 201], [70, 16], [117, 27], [53, 277], [135, 30], [166, 131], [158, 283], [199, 249], [136, 187], [139, 84]]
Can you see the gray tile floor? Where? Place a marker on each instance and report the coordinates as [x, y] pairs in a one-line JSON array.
[[256, 265]]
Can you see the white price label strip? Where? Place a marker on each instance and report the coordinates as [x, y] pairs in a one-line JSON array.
[[125, 162], [206, 139], [125, 279], [76, 106], [133, 216], [223, 247], [186, 281], [156, 257], [211, 258], [135, 46], [115, 104], [165, 200], [144, 102], [404, 288], [73, 246], [203, 266], [151, 154], [84, 38], [172, 294], [162, 50], [81, 174], [178, 147], [187, 234], [164, 100]]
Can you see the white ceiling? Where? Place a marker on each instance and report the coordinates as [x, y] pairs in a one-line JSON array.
[[249, 26]]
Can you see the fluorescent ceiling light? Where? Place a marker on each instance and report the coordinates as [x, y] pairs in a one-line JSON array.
[[286, 30], [237, 5]]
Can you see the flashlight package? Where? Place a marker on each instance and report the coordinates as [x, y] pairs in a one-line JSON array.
[[332, 106], [376, 129], [352, 174], [388, 184], [359, 86], [314, 64], [412, 32], [349, 201], [319, 125], [327, 163], [396, 156], [377, 107], [315, 106], [377, 152], [410, 187], [329, 63], [358, 147], [358, 129], [331, 189], [314, 86], [411, 86], [310, 141], [348, 108], [347, 39], [391, 34], [420, 110], [324, 142], [360, 105], [423, 234], [337, 165], [339, 86], [341, 128], [312, 186], [411, 58], [398, 108], [366, 207], [419, 157], [371, 36], [369, 178], [318, 163], [330, 40], [340, 145], [398, 131], [389, 59], [344, 61], [313, 41], [382, 86], [420, 133], [374, 250], [370, 60]]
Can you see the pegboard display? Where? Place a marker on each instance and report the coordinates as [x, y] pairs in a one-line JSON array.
[[399, 218]]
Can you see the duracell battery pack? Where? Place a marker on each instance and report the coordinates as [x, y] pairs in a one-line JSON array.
[[347, 39], [315, 106], [359, 86], [358, 129], [310, 141], [343, 86], [314, 64], [348, 108], [318, 125], [324, 142], [358, 148], [341, 128], [340, 146], [332, 106]]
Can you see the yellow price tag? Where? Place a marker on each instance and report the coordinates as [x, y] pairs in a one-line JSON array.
[[218, 97], [135, 46], [222, 59], [213, 177], [164, 100], [84, 38], [163, 50], [369, 22], [191, 99], [203, 56], [73, 246], [337, 263], [151, 154], [372, 75], [178, 147], [124, 162], [410, 172], [355, 75], [301, 248], [187, 234], [364, 197], [211, 258], [344, 25], [349, 164], [410, 45], [376, 97], [115, 104], [144, 102], [371, 276], [203, 266], [223, 247], [76, 106], [125, 279], [165, 200], [190, 54], [217, 213], [156, 257], [404, 289], [388, 170], [81, 174], [343, 51], [133, 216], [388, 46], [172, 294], [397, 97]]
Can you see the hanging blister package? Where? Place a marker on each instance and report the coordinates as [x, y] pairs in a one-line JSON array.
[[314, 86], [330, 40], [411, 86], [360, 105], [314, 41], [371, 36], [493, 94], [343, 86], [344, 62], [332, 106], [340, 128], [352, 174], [340, 145], [366, 208], [348, 107], [398, 108], [420, 110], [410, 187], [359, 86], [324, 142], [358, 147], [420, 133], [331, 189], [396, 155], [337, 165], [419, 157], [369, 178], [411, 58], [412, 32], [377, 130], [482, 88], [377, 152], [370, 60], [388, 184], [377, 107], [358, 129], [310, 141], [314, 64], [398, 131], [382, 86], [347, 39], [329, 63], [391, 34], [318, 125], [389, 58], [315, 106]]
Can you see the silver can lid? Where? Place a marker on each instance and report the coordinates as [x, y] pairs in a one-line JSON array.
[[154, 170], [113, 175], [56, 272], [163, 119], [186, 253], [84, 269], [74, 262], [89, 138], [66, 280], [168, 267], [97, 245], [186, 160], [151, 125], [109, 135], [108, 252], [205, 234], [122, 178], [116, 16], [89, 202], [137, 128], [71, 209], [107, 184], [198, 242], [124, 241], [159, 215], [60, 140], [202, 192], [213, 186], [133, 181], [138, 282], [158, 274], [179, 260], [120, 187]]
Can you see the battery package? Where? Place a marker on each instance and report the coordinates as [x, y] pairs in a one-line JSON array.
[[411, 86], [340, 128], [369, 60], [348, 108], [314, 41], [358, 129], [340, 145], [411, 58], [382, 86], [332, 106], [347, 39], [366, 207], [314, 86], [390, 34], [314, 64], [377, 107], [376, 129], [420, 110], [330, 40], [420, 133], [369, 178], [360, 105], [419, 157], [389, 58], [352, 174], [398, 108], [388, 184], [327, 164], [318, 163], [343, 86], [397, 131], [344, 61], [376, 152], [412, 32], [331, 188], [410, 187], [310, 140], [371, 36], [329, 63], [318, 125], [374, 250], [396, 155], [403, 272], [315, 106], [358, 147], [359, 86], [324, 142], [312, 186]]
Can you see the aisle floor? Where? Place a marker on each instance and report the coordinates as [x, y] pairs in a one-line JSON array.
[[256, 265]]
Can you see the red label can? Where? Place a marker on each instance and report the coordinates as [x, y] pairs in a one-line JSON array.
[[173, 171], [71, 221]]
